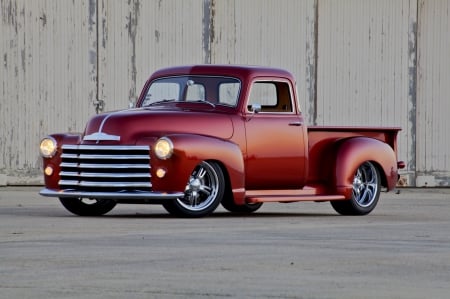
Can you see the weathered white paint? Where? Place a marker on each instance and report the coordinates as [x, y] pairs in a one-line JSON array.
[[271, 33], [433, 94], [357, 62], [363, 66], [46, 79], [137, 37]]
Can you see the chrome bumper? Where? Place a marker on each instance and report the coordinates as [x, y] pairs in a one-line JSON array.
[[110, 195]]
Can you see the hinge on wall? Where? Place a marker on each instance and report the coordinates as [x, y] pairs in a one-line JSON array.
[[99, 106]]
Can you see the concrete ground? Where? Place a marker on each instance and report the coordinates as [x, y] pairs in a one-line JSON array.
[[296, 250]]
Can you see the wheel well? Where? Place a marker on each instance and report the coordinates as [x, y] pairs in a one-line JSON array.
[[381, 172], [228, 194]]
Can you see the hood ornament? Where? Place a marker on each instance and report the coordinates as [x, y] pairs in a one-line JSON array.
[[100, 136]]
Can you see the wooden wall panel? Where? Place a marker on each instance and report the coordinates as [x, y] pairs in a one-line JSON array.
[[357, 62], [270, 33], [137, 37], [46, 82], [433, 94], [366, 67]]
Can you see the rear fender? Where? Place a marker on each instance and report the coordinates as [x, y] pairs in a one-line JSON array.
[[189, 151], [353, 152]]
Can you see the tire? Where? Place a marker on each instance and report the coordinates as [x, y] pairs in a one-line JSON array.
[[247, 208], [88, 207], [366, 192], [204, 192]]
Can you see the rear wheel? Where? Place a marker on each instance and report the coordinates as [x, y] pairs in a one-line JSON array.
[[365, 194], [203, 193], [88, 207]]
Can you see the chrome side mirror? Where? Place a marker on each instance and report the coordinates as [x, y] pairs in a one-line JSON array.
[[256, 108]]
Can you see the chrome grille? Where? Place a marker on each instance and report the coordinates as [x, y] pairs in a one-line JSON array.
[[105, 168]]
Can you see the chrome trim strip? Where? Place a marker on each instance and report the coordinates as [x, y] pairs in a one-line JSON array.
[[108, 157], [110, 195], [113, 166], [68, 165], [105, 147], [113, 157], [104, 175], [105, 184]]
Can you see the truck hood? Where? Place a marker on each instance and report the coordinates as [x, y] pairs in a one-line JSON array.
[[128, 126]]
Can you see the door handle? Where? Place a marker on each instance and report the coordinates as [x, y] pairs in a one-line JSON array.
[[296, 123]]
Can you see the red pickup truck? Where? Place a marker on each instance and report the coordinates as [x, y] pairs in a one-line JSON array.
[[206, 135]]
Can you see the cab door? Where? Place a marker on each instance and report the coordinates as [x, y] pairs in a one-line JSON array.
[[275, 135]]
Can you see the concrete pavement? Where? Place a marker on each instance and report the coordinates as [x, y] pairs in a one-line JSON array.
[[296, 250]]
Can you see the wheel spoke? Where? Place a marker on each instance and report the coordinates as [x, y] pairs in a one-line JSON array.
[[206, 190], [201, 173], [202, 188]]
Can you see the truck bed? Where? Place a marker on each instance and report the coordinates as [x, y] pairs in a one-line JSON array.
[[324, 140]]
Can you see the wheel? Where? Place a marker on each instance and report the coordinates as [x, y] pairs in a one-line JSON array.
[[366, 191], [203, 193], [88, 207], [229, 205]]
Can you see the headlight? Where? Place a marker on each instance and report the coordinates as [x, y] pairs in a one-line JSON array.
[[48, 147], [164, 148]]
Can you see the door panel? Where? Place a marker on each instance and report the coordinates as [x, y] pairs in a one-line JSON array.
[[275, 152]]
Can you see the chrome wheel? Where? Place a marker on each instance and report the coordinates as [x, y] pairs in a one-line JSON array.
[[202, 188], [365, 193], [365, 185], [203, 193]]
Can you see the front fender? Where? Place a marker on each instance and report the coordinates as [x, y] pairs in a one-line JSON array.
[[190, 150], [353, 152]]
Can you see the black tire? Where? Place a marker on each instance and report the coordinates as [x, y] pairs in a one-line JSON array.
[[88, 207], [366, 192], [204, 192], [247, 208]]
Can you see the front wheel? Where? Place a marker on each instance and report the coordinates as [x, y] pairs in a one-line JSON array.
[[365, 194], [247, 208], [203, 193], [88, 207]]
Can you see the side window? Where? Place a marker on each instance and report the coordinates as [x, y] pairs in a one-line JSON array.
[[272, 96]]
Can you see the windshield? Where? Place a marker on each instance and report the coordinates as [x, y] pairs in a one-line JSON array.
[[214, 90]]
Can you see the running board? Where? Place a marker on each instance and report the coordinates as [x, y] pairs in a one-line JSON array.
[[308, 193], [294, 198]]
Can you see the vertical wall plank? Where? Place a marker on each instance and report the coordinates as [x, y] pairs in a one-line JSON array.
[[137, 37], [45, 82], [433, 90], [364, 66], [357, 62], [270, 33]]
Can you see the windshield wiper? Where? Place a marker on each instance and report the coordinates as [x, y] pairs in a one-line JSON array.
[[203, 101], [160, 102]]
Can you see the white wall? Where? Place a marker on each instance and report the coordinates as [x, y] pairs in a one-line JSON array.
[[357, 62]]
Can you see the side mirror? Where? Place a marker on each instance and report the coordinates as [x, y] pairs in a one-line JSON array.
[[256, 108]]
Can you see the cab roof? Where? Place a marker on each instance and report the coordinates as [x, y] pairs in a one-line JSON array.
[[242, 72]]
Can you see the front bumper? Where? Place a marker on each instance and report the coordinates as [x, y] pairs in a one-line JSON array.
[[128, 195]]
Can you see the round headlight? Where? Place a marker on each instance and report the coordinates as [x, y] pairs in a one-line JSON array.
[[164, 148], [48, 147]]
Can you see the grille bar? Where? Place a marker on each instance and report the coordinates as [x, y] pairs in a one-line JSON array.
[[105, 168], [103, 184], [100, 156], [103, 175]]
